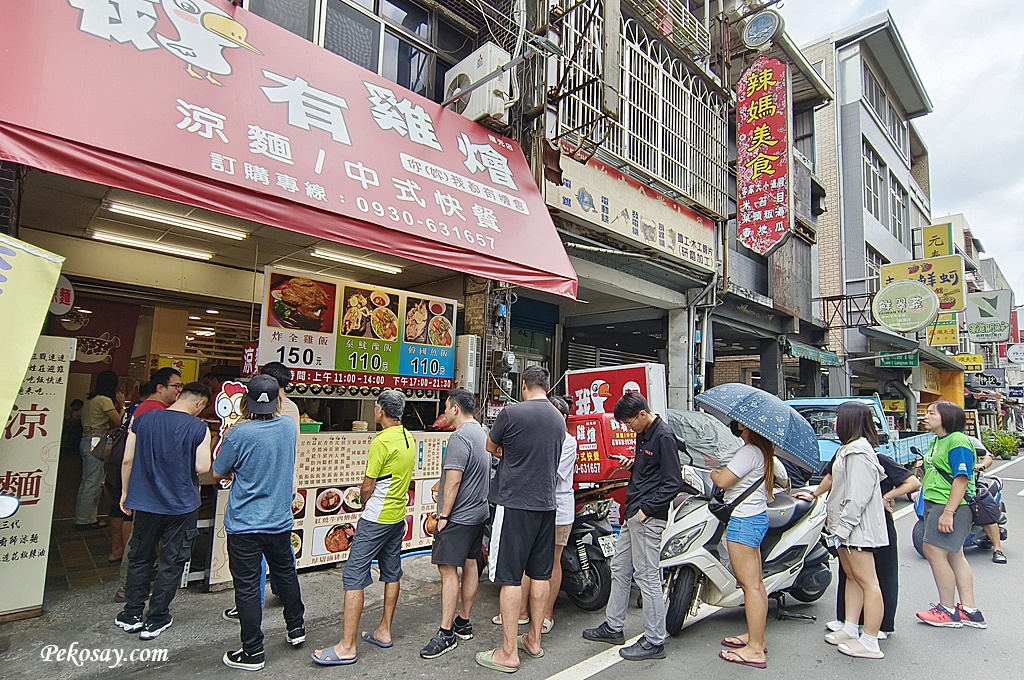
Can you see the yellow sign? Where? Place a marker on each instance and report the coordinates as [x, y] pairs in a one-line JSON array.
[[973, 363], [931, 379], [945, 332], [189, 368], [944, 275], [894, 405], [937, 240], [28, 280]]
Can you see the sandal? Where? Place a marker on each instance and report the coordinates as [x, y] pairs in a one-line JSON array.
[[369, 637], [486, 659], [838, 637], [857, 650], [737, 659], [496, 620], [521, 643], [548, 625], [736, 643], [329, 657]]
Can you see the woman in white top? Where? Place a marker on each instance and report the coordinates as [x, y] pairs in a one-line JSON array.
[[752, 466]]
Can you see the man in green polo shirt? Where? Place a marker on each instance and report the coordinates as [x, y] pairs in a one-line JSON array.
[[380, 530]]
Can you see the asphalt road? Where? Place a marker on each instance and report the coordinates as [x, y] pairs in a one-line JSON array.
[[199, 636]]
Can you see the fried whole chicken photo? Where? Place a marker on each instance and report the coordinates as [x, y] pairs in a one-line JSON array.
[[300, 303]]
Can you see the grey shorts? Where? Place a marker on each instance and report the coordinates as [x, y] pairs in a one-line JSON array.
[[962, 522], [382, 542]]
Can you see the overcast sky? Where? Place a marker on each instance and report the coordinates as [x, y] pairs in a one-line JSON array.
[[970, 55]]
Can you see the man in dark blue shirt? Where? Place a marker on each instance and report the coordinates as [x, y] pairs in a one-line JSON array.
[[163, 457]]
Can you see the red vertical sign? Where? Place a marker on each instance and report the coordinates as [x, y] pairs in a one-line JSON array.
[[763, 185]]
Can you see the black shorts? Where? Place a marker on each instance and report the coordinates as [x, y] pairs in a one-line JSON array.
[[457, 543], [522, 541]]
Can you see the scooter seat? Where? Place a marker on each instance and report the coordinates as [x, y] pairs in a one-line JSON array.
[[784, 511]]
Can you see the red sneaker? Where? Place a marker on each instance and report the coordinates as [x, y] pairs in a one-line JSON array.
[[941, 617], [975, 620]]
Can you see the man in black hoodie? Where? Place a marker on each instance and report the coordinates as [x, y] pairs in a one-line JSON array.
[[655, 480]]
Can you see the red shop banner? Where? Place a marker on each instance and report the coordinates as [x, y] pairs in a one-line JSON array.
[[227, 100], [764, 218]]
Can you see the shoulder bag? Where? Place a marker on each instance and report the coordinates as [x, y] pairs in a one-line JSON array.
[[722, 510]]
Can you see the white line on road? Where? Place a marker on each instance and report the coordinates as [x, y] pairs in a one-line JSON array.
[[609, 657], [903, 512]]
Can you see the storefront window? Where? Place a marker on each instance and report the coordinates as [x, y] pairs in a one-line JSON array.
[[408, 15], [405, 64], [353, 35]]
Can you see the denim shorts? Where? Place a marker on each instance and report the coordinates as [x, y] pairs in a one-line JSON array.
[[749, 531]]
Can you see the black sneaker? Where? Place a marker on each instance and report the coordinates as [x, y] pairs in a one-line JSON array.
[[641, 650], [247, 662], [974, 620], [128, 623], [998, 557], [439, 644], [296, 636], [230, 614], [463, 630], [604, 633], [152, 630]]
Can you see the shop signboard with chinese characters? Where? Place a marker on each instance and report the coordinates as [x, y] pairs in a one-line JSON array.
[[944, 275], [342, 335], [905, 306], [972, 362], [988, 316], [29, 454], [894, 405], [1015, 354], [944, 331], [234, 114], [897, 360], [937, 240], [595, 390], [927, 378], [990, 378], [971, 423], [606, 198], [764, 217]]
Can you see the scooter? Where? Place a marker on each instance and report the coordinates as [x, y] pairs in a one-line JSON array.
[[586, 560], [695, 562]]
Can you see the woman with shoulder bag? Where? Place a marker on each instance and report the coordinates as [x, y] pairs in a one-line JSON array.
[[100, 413], [749, 476], [948, 479], [856, 519]]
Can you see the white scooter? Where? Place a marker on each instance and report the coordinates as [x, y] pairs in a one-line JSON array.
[[695, 561]]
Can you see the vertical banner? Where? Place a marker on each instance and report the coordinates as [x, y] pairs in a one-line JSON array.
[[28, 470], [765, 216], [937, 240], [28, 278]]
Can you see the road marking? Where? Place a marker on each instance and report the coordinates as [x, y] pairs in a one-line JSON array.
[[903, 512], [609, 657]]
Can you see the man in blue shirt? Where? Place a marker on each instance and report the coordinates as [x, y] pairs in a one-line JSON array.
[[164, 455], [259, 455]]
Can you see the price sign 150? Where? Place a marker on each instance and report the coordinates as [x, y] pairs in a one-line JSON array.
[[297, 356]]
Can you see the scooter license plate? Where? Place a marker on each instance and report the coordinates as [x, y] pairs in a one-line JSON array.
[[607, 544]]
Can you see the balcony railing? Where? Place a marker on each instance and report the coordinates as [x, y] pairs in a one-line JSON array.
[[672, 132]]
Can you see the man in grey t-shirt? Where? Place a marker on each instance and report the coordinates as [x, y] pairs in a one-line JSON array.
[[461, 515]]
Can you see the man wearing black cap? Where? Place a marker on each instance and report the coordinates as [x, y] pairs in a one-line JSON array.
[[259, 455], [380, 530]]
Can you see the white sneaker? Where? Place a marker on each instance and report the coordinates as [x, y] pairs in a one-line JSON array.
[[882, 635]]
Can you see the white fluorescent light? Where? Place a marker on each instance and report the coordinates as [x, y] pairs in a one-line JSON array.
[[354, 261], [85, 311], [175, 221], [212, 311], [193, 318], [162, 248]]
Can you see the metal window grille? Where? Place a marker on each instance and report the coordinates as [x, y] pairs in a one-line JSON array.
[[874, 183], [672, 132]]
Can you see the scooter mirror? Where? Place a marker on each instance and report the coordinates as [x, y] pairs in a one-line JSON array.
[[8, 506]]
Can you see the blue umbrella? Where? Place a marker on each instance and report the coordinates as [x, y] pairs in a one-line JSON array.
[[767, 415]]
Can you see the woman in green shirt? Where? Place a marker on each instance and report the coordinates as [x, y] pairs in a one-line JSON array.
[[948, 479]]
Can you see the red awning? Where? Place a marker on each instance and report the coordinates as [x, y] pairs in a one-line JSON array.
[[224, 111]]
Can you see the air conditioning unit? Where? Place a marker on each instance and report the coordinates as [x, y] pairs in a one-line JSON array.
[[487, 101], [468, 351]]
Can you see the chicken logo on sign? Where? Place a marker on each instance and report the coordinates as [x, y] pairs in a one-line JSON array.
[[204, 31], [591, 401]]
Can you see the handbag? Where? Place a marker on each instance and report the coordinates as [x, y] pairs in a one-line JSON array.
[[984, 508], [722, 510], [109, 441]]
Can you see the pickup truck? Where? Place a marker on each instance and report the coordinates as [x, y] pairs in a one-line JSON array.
[[820, 412]]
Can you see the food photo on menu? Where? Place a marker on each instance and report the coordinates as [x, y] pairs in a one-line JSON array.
[[334, 539], [429, 322], [301, 303], [369, 313], [328, 501], [299, 504], [297, 543]]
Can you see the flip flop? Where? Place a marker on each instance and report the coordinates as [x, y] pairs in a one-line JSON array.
[[496, 620], [329, 657], [521, 643], [486, 659], [727, 642], [369, 637], [737, 659]]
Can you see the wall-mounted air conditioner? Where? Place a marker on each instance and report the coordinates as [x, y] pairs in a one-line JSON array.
[[468, 351], [487, 101]]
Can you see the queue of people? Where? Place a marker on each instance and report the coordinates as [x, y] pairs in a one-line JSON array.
[[528, 499]]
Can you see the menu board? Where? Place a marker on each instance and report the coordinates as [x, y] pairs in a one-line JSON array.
[[326, 506], [345, 334]]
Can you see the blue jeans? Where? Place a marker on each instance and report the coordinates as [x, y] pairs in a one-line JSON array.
[[92, 483]]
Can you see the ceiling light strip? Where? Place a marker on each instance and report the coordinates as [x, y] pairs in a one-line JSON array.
[[354, 261], [155, 246], [175, 221]]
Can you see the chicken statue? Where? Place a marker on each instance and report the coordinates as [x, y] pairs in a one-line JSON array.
[[204, 32], [228, 405]]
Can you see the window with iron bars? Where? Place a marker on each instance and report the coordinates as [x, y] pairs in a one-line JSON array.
[[672, 129]]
